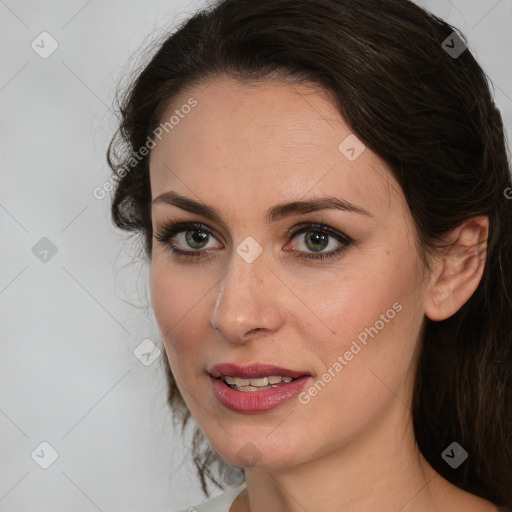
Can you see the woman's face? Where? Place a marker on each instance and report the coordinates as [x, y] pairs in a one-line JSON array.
[[247, 294]]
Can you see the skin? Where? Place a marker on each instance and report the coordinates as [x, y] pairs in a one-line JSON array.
[[244, 148]]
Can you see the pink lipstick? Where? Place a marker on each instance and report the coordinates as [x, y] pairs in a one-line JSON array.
[[236, 387]]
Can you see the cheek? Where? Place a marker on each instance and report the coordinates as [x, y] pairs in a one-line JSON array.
[[371, 285], [179, 303], [164, 298], [374, 315]]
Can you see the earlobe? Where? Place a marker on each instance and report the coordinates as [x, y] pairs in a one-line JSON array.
[[459, 271]]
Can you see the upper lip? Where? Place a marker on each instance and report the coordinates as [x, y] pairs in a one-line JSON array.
[[253, 371]]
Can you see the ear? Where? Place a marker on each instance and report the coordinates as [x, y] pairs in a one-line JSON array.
[[458, 272]]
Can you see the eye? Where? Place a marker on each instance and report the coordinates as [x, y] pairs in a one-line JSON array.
[[316, 239], [177, 236], [188, 234]]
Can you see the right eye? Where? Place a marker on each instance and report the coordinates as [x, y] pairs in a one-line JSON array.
[[178, 235]]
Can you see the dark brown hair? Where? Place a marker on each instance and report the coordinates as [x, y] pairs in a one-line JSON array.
[[430, 116]]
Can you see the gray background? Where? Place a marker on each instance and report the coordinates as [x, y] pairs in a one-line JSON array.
[[70, 324]]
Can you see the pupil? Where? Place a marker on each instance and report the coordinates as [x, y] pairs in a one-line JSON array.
[[196, 237], [317, 238]]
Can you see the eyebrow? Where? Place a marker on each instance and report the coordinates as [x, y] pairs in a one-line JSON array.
[[274, 214]]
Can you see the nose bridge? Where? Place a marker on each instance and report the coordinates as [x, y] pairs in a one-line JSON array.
[[243, 301]]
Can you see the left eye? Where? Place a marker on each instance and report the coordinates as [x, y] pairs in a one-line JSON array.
[[196, 236], [317, 239]]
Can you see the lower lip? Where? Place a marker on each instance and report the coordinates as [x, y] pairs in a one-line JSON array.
[[257, 401]]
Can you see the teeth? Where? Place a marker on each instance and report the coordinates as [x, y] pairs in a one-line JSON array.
[[261, 381], [257, 382]]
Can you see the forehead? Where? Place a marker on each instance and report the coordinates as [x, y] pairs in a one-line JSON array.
[[271, 139]]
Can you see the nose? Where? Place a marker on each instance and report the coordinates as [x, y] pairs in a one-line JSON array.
[[246, 301]]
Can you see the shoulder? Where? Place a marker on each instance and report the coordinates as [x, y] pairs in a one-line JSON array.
[[220, 503]]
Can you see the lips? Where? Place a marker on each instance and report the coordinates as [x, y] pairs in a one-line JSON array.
[[257, 401], [254, 371]]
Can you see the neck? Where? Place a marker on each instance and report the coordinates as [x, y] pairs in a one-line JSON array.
[[382, 469]]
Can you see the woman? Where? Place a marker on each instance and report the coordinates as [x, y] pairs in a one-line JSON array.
[[321, 186]]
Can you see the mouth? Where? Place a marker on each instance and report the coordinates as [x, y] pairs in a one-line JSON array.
[[256, 376], [258, 384]]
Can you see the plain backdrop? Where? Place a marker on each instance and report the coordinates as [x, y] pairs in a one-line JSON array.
[[74, 299]]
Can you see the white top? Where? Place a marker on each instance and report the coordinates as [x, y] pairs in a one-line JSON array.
[[221, 503]]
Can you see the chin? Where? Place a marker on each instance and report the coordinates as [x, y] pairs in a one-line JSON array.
[[251, 451]]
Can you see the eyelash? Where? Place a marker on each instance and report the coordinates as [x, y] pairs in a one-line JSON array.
[[165, 235]]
